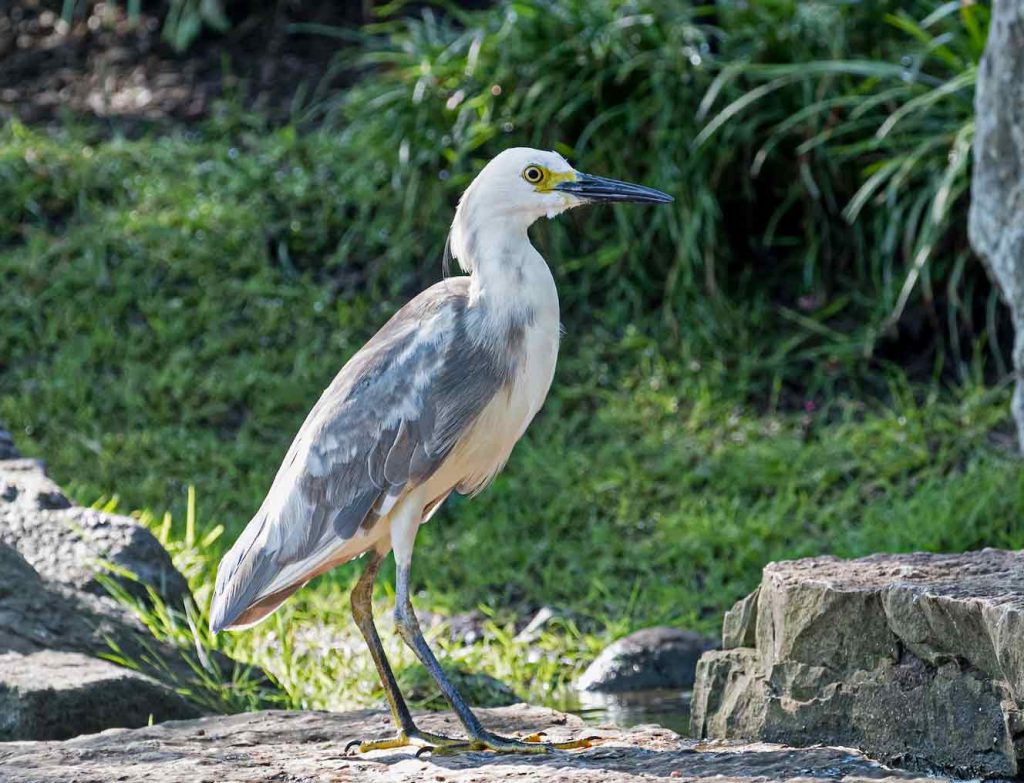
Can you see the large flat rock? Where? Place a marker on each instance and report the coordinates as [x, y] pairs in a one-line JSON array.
[[309, 746], [917, 659], [56, 695]]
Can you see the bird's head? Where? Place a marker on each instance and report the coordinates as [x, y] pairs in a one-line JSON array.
[[523, 184]]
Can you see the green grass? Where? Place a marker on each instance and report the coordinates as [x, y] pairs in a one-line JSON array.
[[173, 305], [154, 339], [651, 508]]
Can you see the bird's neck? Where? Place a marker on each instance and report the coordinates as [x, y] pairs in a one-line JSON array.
[[506, 273]]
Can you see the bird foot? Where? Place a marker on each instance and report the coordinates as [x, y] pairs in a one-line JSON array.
[[425, 740], [531, 744]]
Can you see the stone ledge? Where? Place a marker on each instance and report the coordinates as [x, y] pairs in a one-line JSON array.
[[309, 746], [57, 622], [56, 695]]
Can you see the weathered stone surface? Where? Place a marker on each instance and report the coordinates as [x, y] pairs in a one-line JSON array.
[[40, 622], [67, 543], [36, 615], [997, 186], [738, 625], [917, 659], [57, 695], [56, 621], [309, 746], [650, 658]]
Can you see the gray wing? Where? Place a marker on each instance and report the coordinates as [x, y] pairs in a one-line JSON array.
[[383, 426]]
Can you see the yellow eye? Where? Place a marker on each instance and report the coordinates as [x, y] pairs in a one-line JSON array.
[[533, 174]]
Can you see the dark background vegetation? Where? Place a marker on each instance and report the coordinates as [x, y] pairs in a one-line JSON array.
[[206, 207]]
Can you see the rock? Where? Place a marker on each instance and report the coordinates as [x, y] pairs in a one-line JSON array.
[[56, 695], [7, 450], [57, 621], [651, 658], [915, 659], [738, 623], [67, 543], [51, 637], [36, 615], [997, 185], [309, 746]]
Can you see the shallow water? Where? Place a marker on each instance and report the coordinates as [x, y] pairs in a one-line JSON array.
[[668, 708]]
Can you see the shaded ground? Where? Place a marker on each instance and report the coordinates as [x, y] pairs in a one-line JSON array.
[[309, 746], [103, 64]]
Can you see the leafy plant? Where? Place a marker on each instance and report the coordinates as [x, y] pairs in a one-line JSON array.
[[213, 681], [757, 239], [186, 19], [906, 125]]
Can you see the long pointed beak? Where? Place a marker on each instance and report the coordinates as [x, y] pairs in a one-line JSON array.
[[590, 188]]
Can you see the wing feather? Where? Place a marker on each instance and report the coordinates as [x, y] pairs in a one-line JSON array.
[[384, 425]]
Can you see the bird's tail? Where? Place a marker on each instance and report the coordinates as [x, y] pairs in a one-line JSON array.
[[243, 574]]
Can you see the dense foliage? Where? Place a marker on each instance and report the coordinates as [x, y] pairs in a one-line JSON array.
[[818, 153]]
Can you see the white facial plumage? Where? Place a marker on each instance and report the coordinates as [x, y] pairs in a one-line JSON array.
[[503, 186], [500, 200]]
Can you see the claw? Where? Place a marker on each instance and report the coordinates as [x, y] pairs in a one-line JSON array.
[[577, 744], [439, 745], [426, 741], [531, 744]]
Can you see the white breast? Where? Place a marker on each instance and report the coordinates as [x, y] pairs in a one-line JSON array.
[[483, 451]]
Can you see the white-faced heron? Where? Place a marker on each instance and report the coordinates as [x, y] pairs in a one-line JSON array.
[[432, 404]]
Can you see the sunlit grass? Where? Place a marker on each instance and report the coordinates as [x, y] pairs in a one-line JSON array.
[[650, 509]]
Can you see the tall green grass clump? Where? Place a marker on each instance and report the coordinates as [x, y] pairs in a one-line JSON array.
[[899, 114], [601, 82], [818, 152]]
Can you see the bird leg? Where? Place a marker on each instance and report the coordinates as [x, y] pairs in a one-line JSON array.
[[408, 733], [479, 737]]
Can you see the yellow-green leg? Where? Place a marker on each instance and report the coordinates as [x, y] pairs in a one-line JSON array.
[[479, 737], [408, 732]]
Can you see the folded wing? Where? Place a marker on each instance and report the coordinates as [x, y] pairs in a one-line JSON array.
[[384, 425]]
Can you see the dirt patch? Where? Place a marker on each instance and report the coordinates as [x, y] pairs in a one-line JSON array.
[[104, 64]]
